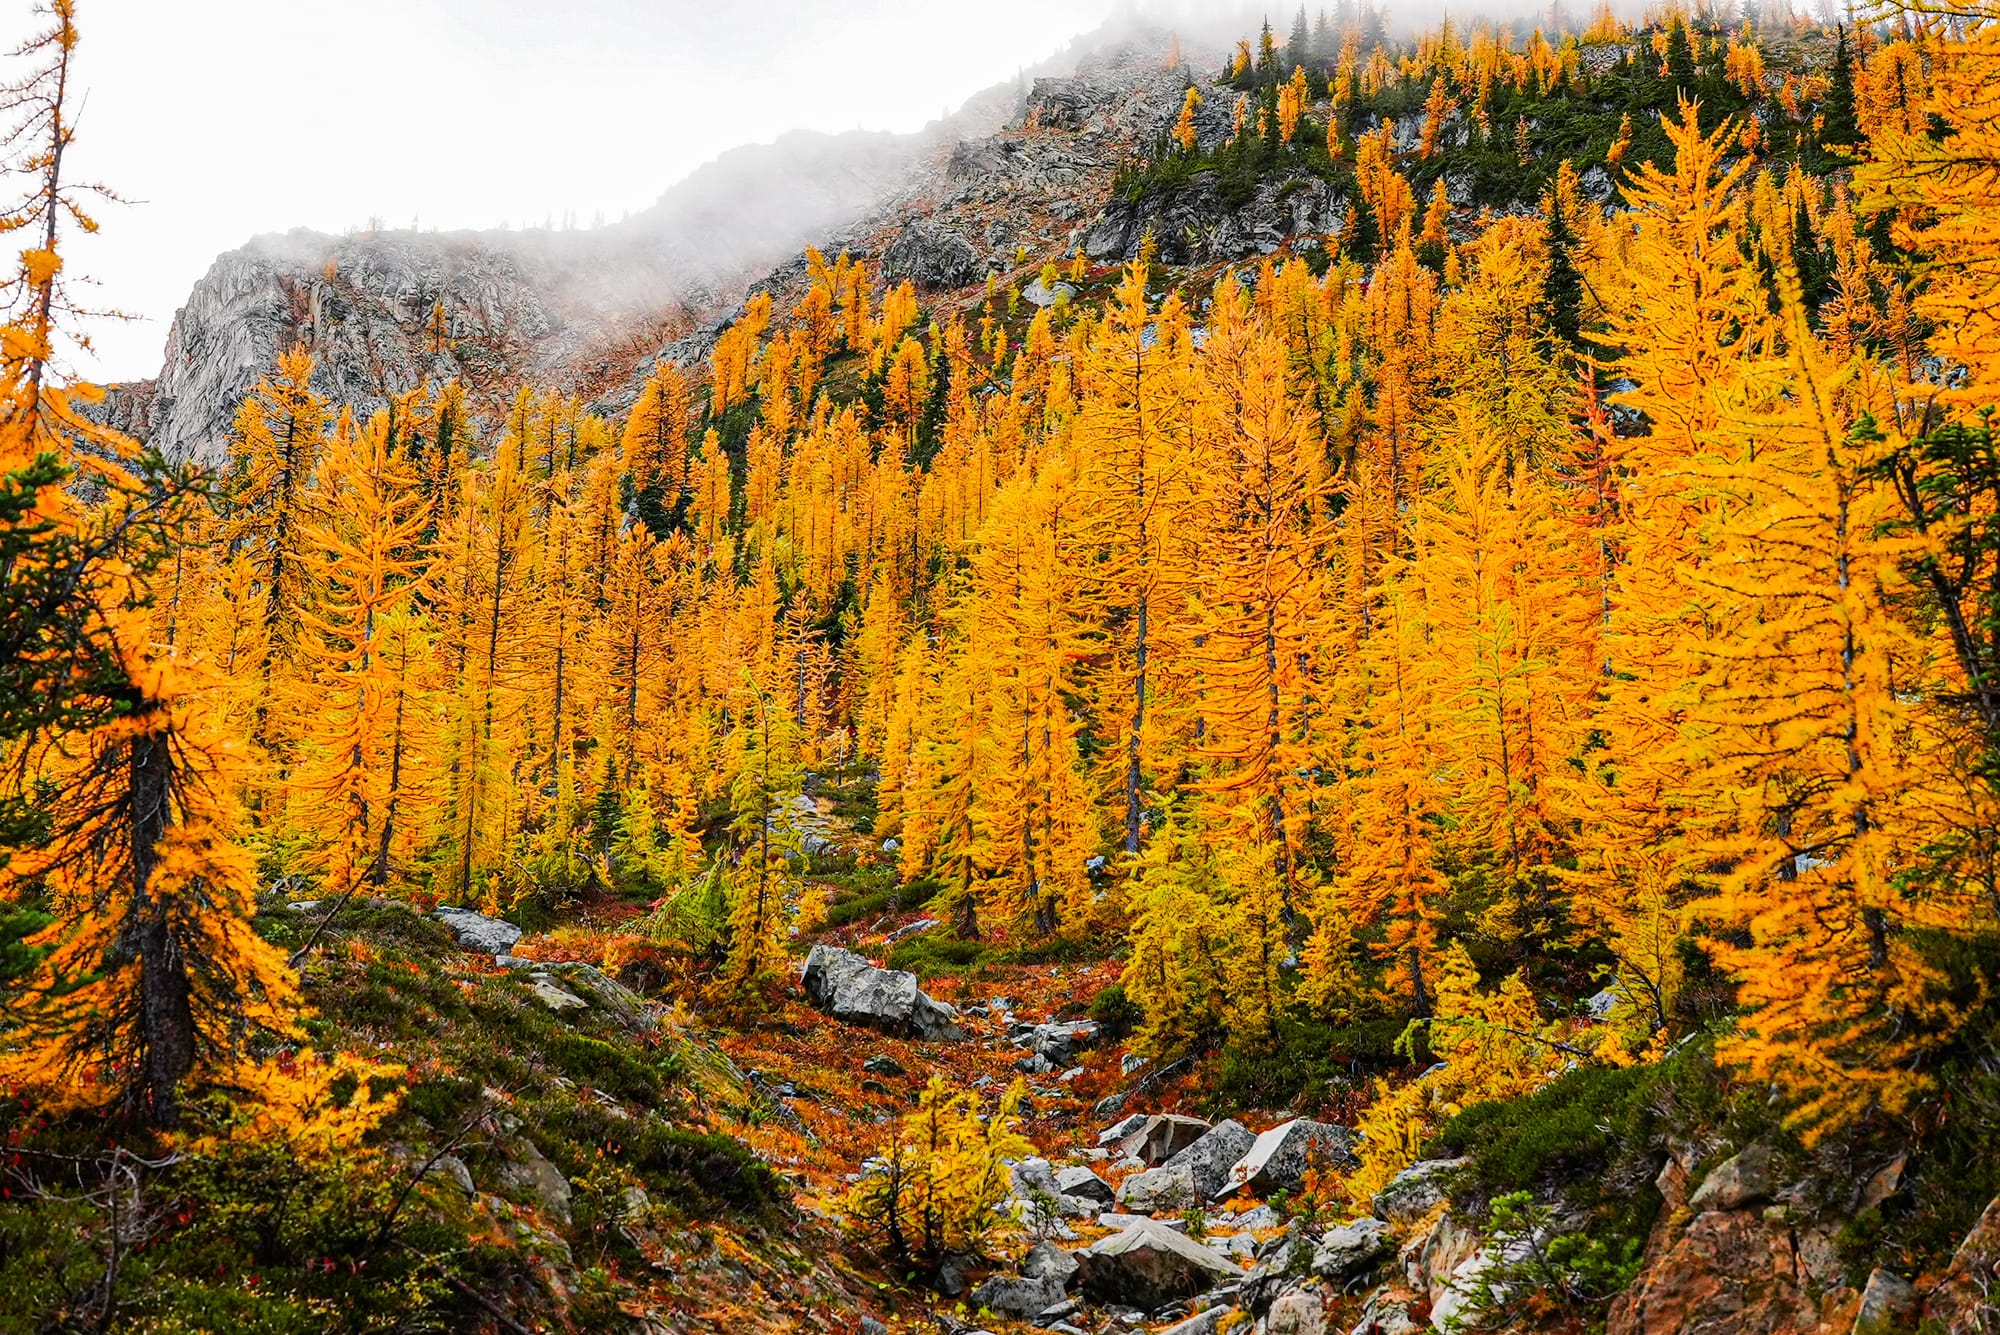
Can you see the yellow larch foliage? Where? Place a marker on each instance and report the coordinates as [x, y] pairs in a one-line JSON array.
[[357, 741], [655, 442], [1684, 305], [1389, 879], [1177, 969], [301, 1100], [1184, 130], [483, 601], [731, 359], [280, 434], [1260, 610], [1943, 199], [1487, 1045], [1437, 219], [152, 902], [933, 1184], [1292, 99], [1035, 814], [1437, 107], [1816, 785], [1130, 419], [762, 792]]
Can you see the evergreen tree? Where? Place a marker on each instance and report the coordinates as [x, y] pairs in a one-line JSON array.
[[149, 975], [1361, 241], [1840, 127], [280, 435], [1682, 77], [153, 976], [1562, 285], [1298, 48]]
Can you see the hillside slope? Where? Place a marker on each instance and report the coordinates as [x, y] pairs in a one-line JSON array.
[[1343, 685]]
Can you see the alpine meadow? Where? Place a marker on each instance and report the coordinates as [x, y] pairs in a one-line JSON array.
[[1333, 677]]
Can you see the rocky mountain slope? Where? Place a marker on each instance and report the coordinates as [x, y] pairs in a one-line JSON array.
[[1144, 1207], [385, 311], [1026, 169]]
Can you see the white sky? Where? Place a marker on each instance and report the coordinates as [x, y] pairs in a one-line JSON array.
[[221, 119]]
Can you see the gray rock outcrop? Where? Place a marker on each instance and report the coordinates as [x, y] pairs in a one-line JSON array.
[[1083, 1183], [1159, 1190], [1120, 1129], [1148, 1266], [1412, 1192], [1191, 1176], [1297, 1312], [848, 987], [1198, 224], [1888, 1303], [1045, 1260], [535, 305], [1019, 1296], [1280, 1261], [527, 1176], [1162, 1136], [553, 995], [1208, 1321], [565, 307], [1740, 1180], [476, 931], [1058, 1041], [934, 258], [1279, 1158], [1210, 1158], [1352, 1249]]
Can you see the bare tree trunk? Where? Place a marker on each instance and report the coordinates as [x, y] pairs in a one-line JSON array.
[[166, 1013]]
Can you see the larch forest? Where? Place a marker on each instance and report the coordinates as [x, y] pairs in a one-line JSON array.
[[1437, 767]]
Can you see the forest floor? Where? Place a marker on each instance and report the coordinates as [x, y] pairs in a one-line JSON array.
[[825, 1091]]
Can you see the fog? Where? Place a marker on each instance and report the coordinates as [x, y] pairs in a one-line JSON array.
[[222, 119]]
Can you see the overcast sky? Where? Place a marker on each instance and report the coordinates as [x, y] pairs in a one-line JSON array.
[[221, 119]]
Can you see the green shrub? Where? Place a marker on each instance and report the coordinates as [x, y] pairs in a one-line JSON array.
[[929, 955], [1306, 1063], [1117, 1015], [703, 1168], [1565, 1131], [1575, 1274], [17, 924], [1953, 1172], [619, 1070], [865, 908], [244, 1236], [444, 1101], [855, 803], [1595, 1136]]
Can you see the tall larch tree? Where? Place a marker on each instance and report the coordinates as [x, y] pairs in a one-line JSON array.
[[1261, 606], [280, 435], [763, 827], [1125, 435], [362, 556], [1818, 786], [487, 594]]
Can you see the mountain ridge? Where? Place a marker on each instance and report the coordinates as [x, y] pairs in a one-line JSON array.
[[588, 311]]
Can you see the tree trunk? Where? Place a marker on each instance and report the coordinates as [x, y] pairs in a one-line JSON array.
[[166, 1013]]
